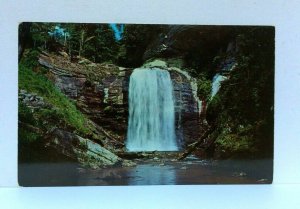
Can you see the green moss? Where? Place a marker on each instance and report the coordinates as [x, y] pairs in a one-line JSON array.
[[25, 114], [64, 111], [204, 87], [30, 60], [234, 143], [108, 109], [26, 136]]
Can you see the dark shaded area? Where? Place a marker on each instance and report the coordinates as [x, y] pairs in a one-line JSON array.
[[135, 42], [243, 110], [44, 166], [24, 38]]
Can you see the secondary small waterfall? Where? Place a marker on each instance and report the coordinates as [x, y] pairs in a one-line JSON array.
[[216, 83], [228, 66], [151, 124]]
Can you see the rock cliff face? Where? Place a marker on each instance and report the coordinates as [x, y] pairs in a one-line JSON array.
[[99, 90], [104, 97], [189, 42], [186, 107], [89, 152]]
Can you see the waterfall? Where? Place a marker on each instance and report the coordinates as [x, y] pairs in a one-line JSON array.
[[151, 124], [216, 84], [219, 78]]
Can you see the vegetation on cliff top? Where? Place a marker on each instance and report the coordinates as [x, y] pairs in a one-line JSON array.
[[93, 41], [63, 111]]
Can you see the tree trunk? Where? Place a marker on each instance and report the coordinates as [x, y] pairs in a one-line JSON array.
[[70, 51], [81, 42], [65, 41]]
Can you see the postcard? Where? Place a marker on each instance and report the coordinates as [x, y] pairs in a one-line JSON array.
[[145, 104]]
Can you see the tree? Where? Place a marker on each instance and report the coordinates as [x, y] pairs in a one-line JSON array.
[[40, 34], [24, 38], [106, 46], [244, 107]]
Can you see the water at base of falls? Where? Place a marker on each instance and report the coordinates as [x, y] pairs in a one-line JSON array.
[[151, 124]]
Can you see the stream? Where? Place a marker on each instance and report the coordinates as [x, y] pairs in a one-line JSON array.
[[149, 172]]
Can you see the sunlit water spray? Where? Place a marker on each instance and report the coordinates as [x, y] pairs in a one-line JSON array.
[[151, 124]]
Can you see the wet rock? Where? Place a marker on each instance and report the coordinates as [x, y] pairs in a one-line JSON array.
[[262, 180], [181, 40], [83, 150], [31, 100], [22, 92], [122, 74], [242, 174], [26, 100], [128, 163], [186, 107], [156, 63], [239, 174], [69, 85]]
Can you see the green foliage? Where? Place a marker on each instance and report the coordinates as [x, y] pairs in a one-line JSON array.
[[213, 109], [243, 108], [30, 58], [39, 34], [26, 115], [106, 48], [234, 143], [250, 90], [204, 87], [63, 111], [93, 41], [25, 136], [108, 109], [54, 116]]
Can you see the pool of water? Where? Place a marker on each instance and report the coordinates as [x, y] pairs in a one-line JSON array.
[[149, 172]]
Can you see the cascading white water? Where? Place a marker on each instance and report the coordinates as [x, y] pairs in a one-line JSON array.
[[151, 124], [219, 78], [216, 84]]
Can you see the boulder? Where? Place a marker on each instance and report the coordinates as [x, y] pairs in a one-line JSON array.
[[31, 100], [81, 149]]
